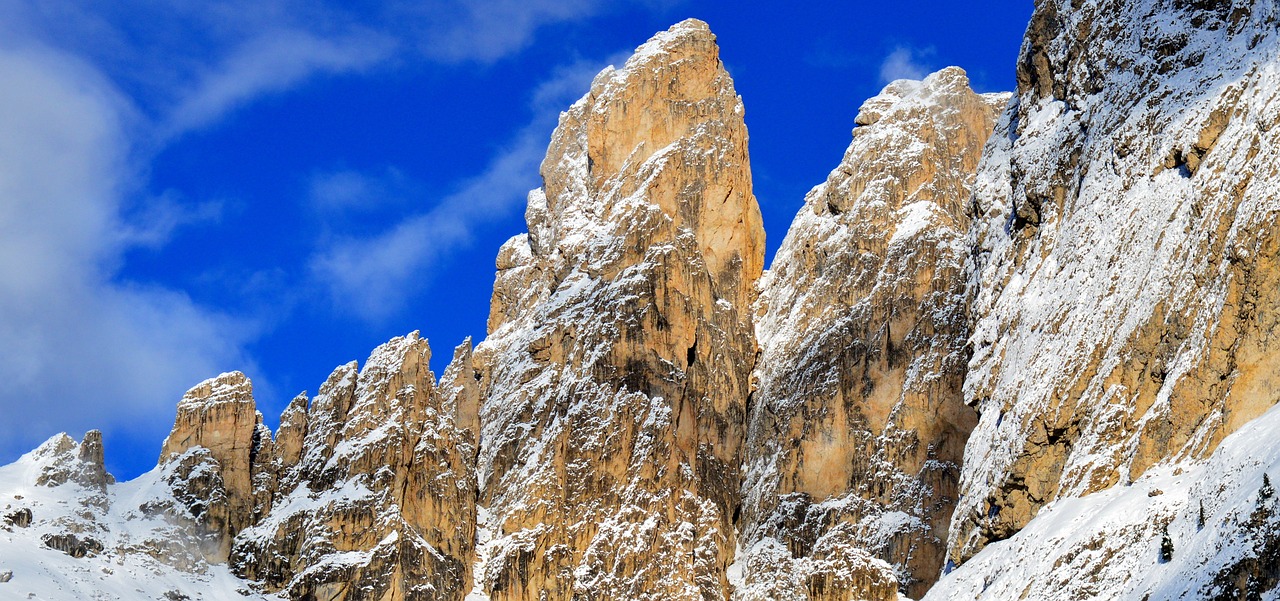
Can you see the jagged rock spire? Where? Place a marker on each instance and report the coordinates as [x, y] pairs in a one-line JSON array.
[[859, 423], [616, 371]]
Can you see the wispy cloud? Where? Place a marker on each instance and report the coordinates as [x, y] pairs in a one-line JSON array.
[[271, 62], [93, 90], [486, 30], [373, 277], [347, 190], [78, 347], [904, 63]]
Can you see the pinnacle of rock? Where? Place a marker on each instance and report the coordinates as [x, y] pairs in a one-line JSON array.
[[219, 415], [615, 377], [859, 422]]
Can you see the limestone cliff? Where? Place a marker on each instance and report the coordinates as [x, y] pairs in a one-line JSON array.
[[858, 426], [366, 493], [378, 501], [1126, 240], [219, 416], [616, 371]]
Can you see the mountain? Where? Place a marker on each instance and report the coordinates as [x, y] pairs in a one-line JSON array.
[[1124, 286], [1015, 346], [617, 369], [858, 423]]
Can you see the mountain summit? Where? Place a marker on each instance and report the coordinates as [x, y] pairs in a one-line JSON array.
[[1015, 346]]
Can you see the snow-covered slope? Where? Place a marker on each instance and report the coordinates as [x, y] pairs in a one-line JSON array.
[[1202, 529], [98, 541]]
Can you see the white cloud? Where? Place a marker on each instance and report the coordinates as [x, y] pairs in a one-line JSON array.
[[373, 277], [348, 190], [486, 30], [88, 94], [271, 62], [78, 347], [904, 63]]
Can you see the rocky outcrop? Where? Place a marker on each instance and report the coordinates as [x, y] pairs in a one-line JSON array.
[[368, 492], [378, 499], [616, 371], [1126, 253], [79, 463], [858, 426], [219, 416], [1199, 529], [73, 545], [19, 517]]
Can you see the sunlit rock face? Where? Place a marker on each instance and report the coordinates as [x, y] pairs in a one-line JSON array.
[[219, 417], [378, 500], [858, 427], [1015, 347], [616, 372], [1125, 253]]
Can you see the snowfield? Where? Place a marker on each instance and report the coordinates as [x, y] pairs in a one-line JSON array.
[[1108, 545], [145, 554]]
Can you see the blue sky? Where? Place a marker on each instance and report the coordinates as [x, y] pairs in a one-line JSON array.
[[277, 186]]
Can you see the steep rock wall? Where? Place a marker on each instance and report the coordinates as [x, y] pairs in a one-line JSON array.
[[615, 374], [858, 426], [1125, 277]]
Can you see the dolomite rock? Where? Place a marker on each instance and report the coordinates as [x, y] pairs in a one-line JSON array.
[[378, 501], [291, 433], [858, 426], [1125, 273], [460, 389], [219, 415], [1112, 266], [615, 376], [1213, 534], [79, 463]]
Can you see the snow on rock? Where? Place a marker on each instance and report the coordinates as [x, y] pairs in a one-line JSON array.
[[378, 502], [1125, 268], [858, 423], [652, 419], [219, 415], [615, 374], [1197, 529], [71, 539]]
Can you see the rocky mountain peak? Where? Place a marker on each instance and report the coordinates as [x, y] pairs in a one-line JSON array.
[[858, 425], [660, 138], [62, 460], [370, 488], [616, 373], [219, 418], [1044, 319]]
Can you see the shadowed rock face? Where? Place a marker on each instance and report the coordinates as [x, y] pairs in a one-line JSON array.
[[1126, 243], [615, 375], [858, 426]]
